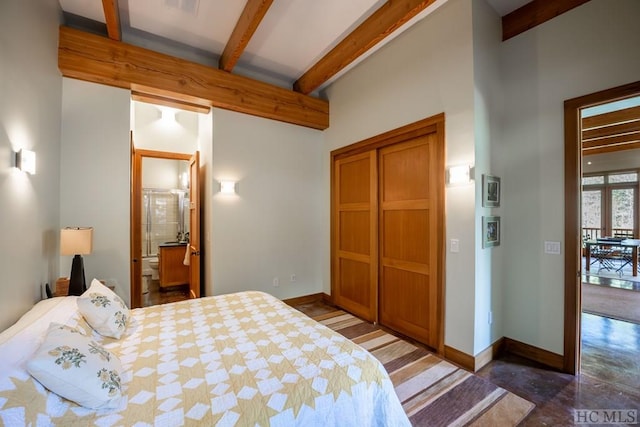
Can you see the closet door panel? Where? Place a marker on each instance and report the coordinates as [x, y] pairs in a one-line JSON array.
[[399, 228], [354, 235], [355, 278], [355, 227], [405, 176], [412, 286], [354, 185], [409, 283]]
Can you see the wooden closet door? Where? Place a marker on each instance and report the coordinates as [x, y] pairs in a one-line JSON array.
[[410, 223], [354, 235]]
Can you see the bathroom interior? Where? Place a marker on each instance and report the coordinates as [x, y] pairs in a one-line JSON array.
[[165, 199], [165, 229]]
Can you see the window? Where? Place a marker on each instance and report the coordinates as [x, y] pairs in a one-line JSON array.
[[609, 205], [592, 180]]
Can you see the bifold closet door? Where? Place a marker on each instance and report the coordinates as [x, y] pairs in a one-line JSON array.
[[354, 235], [409, 227]]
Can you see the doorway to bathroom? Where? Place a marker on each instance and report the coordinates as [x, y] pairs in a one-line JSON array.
[[165, 220]]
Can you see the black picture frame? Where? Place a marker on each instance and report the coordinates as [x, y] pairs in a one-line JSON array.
[[490, 231], [490, 191]]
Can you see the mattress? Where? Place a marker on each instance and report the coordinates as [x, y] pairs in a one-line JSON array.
[[238, 359]]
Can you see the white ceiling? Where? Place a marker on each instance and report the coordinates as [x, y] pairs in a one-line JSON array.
[[293, 35], [504, 7]]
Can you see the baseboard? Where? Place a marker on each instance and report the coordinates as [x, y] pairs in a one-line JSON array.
[[462, 359], [488, 354], [473, 363], [545, 357], [327, 299], [459, 358]]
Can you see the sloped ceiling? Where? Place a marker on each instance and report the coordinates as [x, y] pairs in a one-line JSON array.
[[298, 45]]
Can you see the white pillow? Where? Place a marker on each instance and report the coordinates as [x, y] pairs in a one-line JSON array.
[[104, 310], [77, 368], [21, 340]]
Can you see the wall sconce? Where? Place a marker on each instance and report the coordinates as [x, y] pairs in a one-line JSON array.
[[168, 115], [26, 161], [228, 187], [457, 175]]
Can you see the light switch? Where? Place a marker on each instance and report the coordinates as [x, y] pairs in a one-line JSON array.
[[455, 245], [552, 248]]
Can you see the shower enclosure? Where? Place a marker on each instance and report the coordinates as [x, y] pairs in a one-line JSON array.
[[164, 218]]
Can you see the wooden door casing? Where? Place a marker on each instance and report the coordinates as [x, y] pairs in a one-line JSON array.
[[137, 156]]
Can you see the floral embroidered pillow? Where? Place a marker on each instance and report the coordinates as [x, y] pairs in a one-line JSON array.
[[75, 367], [104, 310]]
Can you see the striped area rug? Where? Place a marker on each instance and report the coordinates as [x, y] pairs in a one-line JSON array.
[[433, 391]]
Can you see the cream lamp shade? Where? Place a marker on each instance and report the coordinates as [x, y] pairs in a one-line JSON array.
[[76, 240]]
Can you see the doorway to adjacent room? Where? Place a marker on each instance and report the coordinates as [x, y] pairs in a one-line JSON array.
[[602, 169]]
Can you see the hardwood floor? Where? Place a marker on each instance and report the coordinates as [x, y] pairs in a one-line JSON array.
[[611, 350], [609, 377], [157, 296], [601, 385]]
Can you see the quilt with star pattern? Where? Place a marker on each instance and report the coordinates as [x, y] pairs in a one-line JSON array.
[[244, 359]]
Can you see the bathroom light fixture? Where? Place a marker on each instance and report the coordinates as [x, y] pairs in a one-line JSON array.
[[227, 187], [168, 115], [459, 174], [76, 241], [26, 161], [184, 180]]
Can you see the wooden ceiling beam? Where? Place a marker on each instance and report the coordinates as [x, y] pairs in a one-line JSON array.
[[112, 18], [533, 14], [167, 102], [613, 117], [384, 21], [611, 148], [98, 59], [613, 130], [611, 140], [253, 13]]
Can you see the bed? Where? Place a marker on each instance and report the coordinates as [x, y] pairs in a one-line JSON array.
[[237, 359]]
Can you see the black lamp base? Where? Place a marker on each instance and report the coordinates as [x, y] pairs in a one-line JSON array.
[[77, 283]]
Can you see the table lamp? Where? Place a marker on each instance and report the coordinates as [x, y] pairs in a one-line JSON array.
[[76, 241]]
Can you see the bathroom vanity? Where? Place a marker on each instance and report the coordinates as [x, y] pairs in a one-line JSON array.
[[171, 266]]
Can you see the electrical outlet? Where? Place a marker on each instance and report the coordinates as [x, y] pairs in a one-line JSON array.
[[292, 278], [276, 282], [455, 246], [490, 317]]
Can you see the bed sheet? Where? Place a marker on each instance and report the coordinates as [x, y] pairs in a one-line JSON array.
[[237, 359]]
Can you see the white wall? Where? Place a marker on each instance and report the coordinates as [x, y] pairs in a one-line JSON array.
[[164, 129], [425, 71], [487, 38], [591, 48], [31, 91], [162, 173], [94, 178], [273, 227]]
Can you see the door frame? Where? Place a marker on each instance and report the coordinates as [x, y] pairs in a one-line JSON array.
[[573, 217], [136, 215], [434, 124]]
